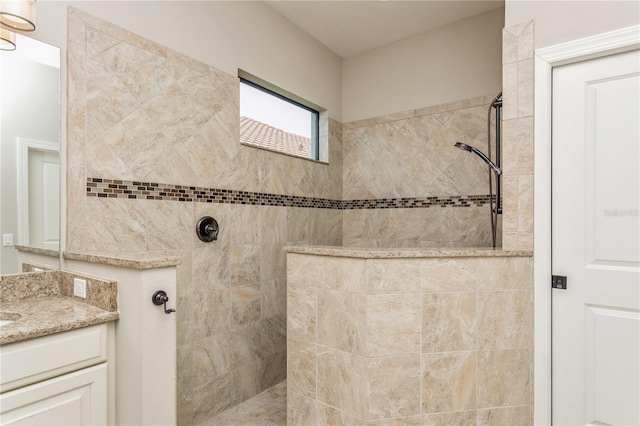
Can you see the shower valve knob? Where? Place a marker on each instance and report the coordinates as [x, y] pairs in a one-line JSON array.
[[160, 298]]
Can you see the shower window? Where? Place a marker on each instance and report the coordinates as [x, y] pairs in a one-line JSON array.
[[271, 119]]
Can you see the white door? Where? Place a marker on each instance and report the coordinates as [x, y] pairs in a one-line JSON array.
[[596, 241]]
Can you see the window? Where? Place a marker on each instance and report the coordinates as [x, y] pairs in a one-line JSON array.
[[271, 119]]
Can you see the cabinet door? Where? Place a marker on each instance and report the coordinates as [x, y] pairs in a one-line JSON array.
[[78, 398]]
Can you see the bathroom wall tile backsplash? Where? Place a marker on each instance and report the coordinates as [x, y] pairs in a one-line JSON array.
[[153, 145]]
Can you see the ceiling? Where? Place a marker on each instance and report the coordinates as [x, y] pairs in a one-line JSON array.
[[351, 27]]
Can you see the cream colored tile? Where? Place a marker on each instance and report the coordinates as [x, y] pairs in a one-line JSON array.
[[244, 265], [331, 416], [526, 42], [510, 147], [510, 204], [301, 368], [341, 273], [211, 398], [301, 313], [273, 261], [449, 322], [450, 274], [393, 385], [393, 324], [505, 416], [509, 47], [385, 276], [459, 418], [205, 321], [398, 421], [342, 321], [449, 382], [303, 269], [525, 88], [504, 319], [117, 225], [341, 381], [166, 225], [504, 378], [273, 298], [210, 359], [525, 204], [510, 91], [245, 304], [210, 267], [301, 411]]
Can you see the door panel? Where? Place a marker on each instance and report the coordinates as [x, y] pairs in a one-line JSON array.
[[596, 241]]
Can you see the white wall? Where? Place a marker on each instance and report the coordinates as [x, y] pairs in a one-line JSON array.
[[225, 34], [454, 62], [562, 21]]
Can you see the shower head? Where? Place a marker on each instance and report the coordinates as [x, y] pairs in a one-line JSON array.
[[463, 146], [480, 154]]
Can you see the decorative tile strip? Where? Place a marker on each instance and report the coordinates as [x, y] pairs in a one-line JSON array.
[[113, 188]]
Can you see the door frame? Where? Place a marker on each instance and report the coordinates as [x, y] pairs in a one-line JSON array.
[[618, 41], [22, 181]]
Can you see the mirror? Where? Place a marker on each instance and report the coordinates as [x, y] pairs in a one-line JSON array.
[[29, 155]]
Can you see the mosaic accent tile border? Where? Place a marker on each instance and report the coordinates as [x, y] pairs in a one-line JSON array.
[[114, 188]]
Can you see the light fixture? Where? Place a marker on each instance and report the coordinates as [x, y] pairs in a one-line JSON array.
[[7, 40], [18, 15]]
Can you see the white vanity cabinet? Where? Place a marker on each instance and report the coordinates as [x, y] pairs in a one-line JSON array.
[[61, 379]]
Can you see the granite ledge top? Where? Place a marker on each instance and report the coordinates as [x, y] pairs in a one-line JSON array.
[[37, 250], [138, 261], [399, 253], [48, 315]]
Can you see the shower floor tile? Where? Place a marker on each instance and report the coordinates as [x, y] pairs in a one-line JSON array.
[[268, 408]]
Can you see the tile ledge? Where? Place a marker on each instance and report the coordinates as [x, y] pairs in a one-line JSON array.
[[139, 261], [389, 253]]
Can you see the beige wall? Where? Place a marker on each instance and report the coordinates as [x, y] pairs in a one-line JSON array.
[[562, 21], [458, 61]]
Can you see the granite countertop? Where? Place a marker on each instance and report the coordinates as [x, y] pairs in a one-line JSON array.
[[43, 303], [139, 261], [48, 315], [387, 253]]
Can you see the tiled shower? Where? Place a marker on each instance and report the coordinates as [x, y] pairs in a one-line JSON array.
[[148, 135]]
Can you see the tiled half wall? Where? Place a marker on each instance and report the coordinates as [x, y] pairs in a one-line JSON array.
[[141, 115], [411, 341]]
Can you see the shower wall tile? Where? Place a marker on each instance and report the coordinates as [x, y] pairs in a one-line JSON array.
[[326, 415], [505, 416], [518, 142], [392, 276], [301, 369], [438, 353], [449, 322], [449, 381], [504, 378], [411, 153], [341, 381], [393, 386], [301, 411], [460, 418], [301, 312], [504, 328], [342, 319], [393, 324], [398, 421]]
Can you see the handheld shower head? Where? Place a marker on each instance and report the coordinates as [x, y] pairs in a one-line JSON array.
[[463, 146], [480, 154]]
